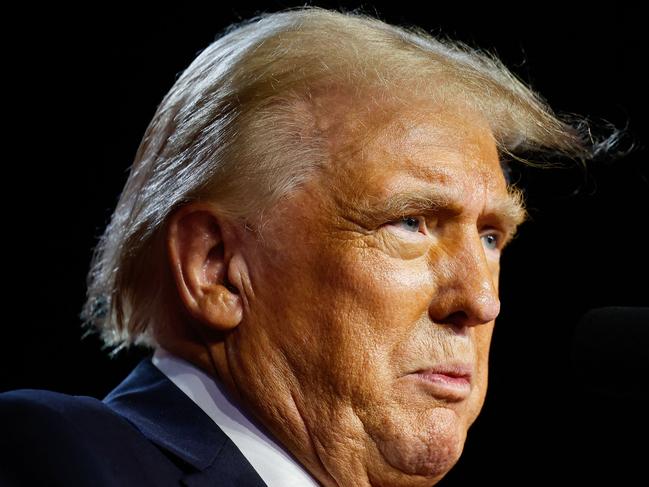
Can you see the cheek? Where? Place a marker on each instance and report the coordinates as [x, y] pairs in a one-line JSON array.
[[393, 290], [495, 272], [371, 304], [482, 339], [349, 311]]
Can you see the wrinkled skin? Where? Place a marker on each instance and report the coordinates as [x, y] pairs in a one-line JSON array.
[[341, 300]]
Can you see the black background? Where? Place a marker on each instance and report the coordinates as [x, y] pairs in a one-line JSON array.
[[84, 85]]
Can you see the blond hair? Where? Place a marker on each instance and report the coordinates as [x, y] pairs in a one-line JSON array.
[[230, 130]]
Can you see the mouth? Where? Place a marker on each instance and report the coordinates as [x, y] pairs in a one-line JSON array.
[[451, 382]]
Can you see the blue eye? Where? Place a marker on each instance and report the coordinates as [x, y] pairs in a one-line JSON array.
[[491, 241], [410, 223]]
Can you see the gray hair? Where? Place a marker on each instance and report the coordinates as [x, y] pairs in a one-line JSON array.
[[231, 130]]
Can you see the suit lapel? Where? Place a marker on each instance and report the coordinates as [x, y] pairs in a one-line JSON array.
[[172, 421]]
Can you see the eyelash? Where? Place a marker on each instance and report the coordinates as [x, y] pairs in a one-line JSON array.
[[492, 232], [497, 237], [418, 218]]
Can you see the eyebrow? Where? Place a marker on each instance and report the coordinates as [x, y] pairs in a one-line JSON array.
[[509, 211]]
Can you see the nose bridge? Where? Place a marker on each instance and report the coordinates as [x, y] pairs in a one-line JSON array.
[[469, 292]]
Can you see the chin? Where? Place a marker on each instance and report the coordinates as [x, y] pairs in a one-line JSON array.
[[427, 448]]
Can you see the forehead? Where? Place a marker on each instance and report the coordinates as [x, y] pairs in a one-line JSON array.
[[379, 151]]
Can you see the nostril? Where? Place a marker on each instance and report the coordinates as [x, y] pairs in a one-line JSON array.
[[455, 318], [458, 321], [461, 319]]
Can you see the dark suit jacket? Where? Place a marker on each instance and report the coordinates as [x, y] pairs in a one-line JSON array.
[[146, 432]]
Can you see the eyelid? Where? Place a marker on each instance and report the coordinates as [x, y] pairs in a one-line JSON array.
[[423, 221], [502, 236]]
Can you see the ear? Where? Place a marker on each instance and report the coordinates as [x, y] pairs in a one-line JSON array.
[[197, 253]]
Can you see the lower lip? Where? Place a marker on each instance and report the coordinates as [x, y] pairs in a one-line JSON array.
[[446, 386]]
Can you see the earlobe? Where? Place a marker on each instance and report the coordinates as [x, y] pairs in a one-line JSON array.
[[197, 256], [222, 307]]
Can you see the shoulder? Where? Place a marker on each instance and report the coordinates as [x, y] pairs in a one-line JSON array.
[[32, 412], [51, 437], [36, 402]]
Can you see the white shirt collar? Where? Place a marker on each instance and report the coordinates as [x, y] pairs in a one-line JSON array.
[[273, 464]]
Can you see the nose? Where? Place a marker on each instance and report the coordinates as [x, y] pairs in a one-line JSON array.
[[466, 292]]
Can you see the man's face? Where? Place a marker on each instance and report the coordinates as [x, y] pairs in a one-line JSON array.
[[366, 332]]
